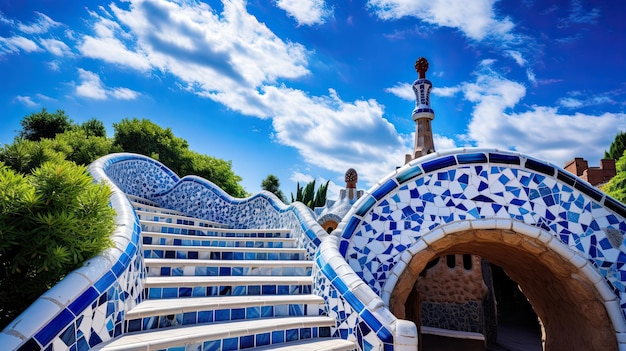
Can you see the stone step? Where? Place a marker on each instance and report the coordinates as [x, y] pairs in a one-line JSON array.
[[150, 308], [201, 286], [174, 228], [226, 268], [154, 208], [216, 241], [243, 334], [176, 218], [140, 200], [154, 314], [225, 253], [318, 344]]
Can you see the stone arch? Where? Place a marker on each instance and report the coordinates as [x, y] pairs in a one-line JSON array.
[[479, 192], [571, 299]]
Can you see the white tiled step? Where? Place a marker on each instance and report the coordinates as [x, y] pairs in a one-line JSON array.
[[147, 215], [228, 239], [277, 250], [180, 336], [320, 344], [140, 200], [173, 262], [156, 209], [192, 281], [212, 230], [150, 308]]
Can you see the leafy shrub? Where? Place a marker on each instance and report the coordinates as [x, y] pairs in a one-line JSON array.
[[51, 221]]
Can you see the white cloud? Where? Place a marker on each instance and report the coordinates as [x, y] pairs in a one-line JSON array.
[[443, 142], [235, 60], [540, 131], [26, 100], [577, 14], [124, 94], [105, 46], [306, 12], [16, 43], [299, 177], [336, 135], [403, 91], [30, 101], [54, 65], [570, 102], [56, 47], [91, 87], [517, 56], [476, 21], [42, 25], [577, 99], [445, 91]]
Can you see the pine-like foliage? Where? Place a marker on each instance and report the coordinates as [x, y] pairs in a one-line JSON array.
[[51, 221], [308, 196], [617, 148]]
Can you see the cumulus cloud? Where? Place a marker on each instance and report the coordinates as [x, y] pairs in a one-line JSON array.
[[91, 87], [232, 58], [306, 12], [540, 131], [336, 135], [443, 142], [476, 21]]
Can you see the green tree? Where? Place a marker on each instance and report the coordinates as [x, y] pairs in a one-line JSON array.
[[43, 124], [94, 127], [147, 138], [617, 148], [616, 187], [51, 221], [272, 184], [216, 170], [85, 148], [308, 196]]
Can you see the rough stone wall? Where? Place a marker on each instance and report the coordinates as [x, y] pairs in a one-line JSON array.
[[467, 317], [453, 285]]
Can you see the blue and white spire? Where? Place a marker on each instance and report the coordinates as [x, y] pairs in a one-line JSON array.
[[423, 113]]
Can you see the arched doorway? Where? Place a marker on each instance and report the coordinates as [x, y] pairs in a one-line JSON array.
[[571, 310]]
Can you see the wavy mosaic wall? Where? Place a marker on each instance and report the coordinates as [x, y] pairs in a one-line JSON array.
[[408, 209], [88, 306]]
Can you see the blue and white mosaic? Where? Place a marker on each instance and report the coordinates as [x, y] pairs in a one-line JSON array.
[[89, 304], [351, 271], [472, 185]]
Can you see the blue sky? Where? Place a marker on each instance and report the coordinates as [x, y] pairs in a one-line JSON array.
[[306, 89]]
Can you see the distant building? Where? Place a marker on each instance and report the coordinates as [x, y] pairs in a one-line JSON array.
[[596, 176]]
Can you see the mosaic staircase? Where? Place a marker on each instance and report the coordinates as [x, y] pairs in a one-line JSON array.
[[209, 287]]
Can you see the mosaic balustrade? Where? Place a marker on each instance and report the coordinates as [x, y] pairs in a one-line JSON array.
[[389, 223], [356, 270]]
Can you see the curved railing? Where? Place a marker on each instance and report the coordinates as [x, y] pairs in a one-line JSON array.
[[88, 306], [452, 188]]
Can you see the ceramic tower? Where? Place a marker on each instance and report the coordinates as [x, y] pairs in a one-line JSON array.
[[423, 114]]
